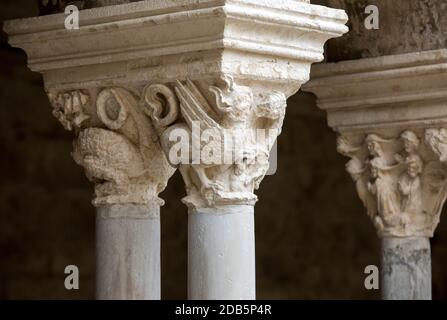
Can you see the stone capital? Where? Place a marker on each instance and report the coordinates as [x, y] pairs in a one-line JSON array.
[[390, 116], [219, 135], [115, 143], [227, 64]]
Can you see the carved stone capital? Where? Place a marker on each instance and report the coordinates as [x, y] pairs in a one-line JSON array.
[[391, 119], [400, 179], [115, 143], [219, 135], [243, 59]]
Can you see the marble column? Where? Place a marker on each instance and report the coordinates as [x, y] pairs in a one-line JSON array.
[[221, 247], [406, 268], [128, 252], [391, 122]]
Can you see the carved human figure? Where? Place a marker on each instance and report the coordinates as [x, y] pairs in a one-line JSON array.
[[437, 141], [411, 144], [358, 172], [381, 182], [381, 185], [410, 186], [403, 192], [373, 145]]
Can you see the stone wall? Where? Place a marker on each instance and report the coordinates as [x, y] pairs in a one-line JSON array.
[[313, 239], [405, 26]]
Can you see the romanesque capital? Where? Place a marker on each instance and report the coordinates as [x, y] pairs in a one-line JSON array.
[[391, 121], [219, 136], [114, 143], [401, 180], [228, 65]]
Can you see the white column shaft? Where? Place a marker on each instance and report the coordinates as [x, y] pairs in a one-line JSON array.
[[221, 253], [406, 268], [128, 252]]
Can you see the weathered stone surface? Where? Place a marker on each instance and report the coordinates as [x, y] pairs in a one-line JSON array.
[[406, 269], [221, 246], [405, 26], [55, 6], [128, 252]]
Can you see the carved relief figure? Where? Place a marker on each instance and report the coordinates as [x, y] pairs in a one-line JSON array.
[[410, 180], [197, 111], [410, 186], [402, 186], [118, 152], [110, 160], [228, 112], [411, 144], [381, 183], [249, 170], [437, 141], [358, 170]]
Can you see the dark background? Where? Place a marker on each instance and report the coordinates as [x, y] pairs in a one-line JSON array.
[[313, 238]]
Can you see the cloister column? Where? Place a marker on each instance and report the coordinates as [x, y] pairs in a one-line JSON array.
[[121, 156], [390, 116], [157, 71], [218, 126]]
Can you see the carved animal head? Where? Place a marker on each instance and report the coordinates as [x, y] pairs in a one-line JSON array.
[[234, 101]]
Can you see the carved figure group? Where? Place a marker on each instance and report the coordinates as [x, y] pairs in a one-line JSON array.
[[392, 180]]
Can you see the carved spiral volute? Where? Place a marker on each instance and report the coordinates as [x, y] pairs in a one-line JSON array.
[[161, 105]]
